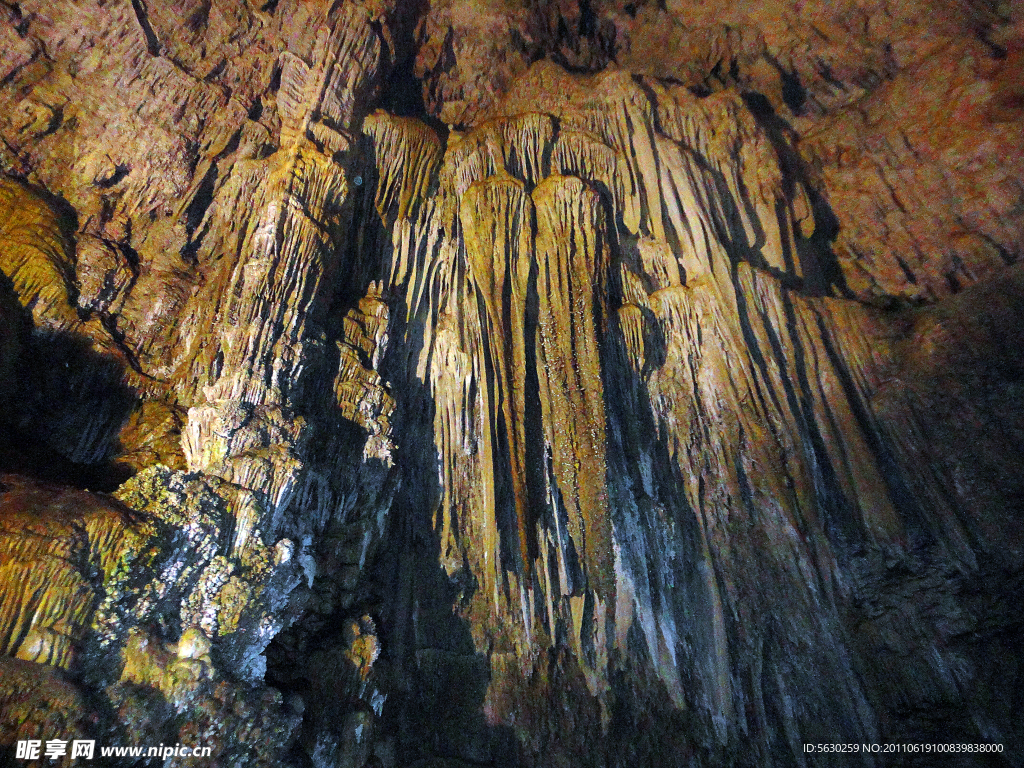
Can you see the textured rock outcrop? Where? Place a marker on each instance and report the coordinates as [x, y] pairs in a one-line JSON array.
[[128, 594], [661, 410]]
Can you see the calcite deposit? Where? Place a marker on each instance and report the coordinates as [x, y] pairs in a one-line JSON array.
[[512, 383]]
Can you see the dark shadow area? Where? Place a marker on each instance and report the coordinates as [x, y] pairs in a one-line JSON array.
[[794, 95], [403, 96], [435, 679], [74, 404], [662, 551], [822, 274], [402, 92], [423, 699], [66, 401], [23, 455], [70, 406]]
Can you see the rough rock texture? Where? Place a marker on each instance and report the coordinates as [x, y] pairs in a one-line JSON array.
[[505, 383]]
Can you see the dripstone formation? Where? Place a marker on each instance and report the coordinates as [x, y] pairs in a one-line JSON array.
[[512, 383]]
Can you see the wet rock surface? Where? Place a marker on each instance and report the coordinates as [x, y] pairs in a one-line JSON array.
[[499, 383]]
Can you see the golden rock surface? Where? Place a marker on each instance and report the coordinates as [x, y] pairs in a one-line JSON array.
[[508, 383]]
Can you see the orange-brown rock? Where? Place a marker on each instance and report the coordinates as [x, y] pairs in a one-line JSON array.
[[513, 383]]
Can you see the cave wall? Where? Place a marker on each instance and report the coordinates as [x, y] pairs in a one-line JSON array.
[[512, 383]]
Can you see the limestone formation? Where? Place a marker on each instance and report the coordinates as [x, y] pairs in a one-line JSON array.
[[516, 384]]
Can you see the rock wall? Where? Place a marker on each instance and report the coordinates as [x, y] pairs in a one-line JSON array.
[[512, 384]]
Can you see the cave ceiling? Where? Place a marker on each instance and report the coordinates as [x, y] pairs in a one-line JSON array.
[[526, 383]]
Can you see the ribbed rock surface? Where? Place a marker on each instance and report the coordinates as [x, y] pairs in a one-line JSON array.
[[663, 410]]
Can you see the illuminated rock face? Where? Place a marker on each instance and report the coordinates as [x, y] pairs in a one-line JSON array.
[[659, 413]]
